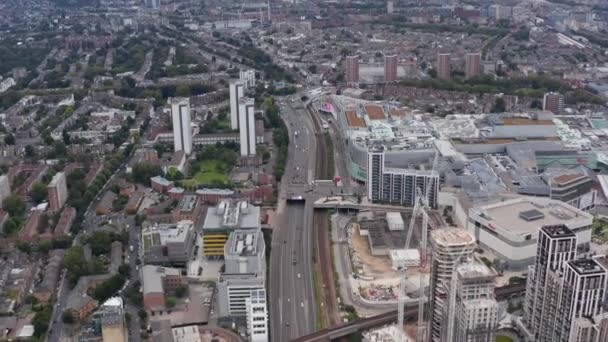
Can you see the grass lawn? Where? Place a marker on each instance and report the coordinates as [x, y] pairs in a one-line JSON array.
[[209, 172], [501, 338]]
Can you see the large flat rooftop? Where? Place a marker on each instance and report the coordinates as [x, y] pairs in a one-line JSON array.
[[526, 215], [232, 215]]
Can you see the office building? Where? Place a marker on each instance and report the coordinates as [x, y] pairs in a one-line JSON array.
[[168, 244], [225, 218], [237, 91], [245, 252], [58, 192], [245, 271], [472, 309], [247, 77], [390, 68], [398, 185], [352, 70], [553, 102], [444, 66], [390, 7], [247, 126], [472, 65], [555, 248], [257, 316], [509, 228], [5, 188], [449, 246], [233, 289], [182, 127]]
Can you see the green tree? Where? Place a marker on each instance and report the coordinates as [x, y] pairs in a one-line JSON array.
[[68, 316], [142, 172], [9, 139], [499, 105], [30, 151], [75, 263], [39, 192], [170, 302], [13, 205], [181, 291], [100, 242]]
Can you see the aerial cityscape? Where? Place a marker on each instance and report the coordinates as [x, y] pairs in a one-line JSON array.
[[304, 170]]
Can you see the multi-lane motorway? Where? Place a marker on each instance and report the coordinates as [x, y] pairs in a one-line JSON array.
[[292, 298]]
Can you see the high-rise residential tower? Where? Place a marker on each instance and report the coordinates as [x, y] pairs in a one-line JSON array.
[[450, 246], [444, 66], [182, 127], [582, 296], [58, 192], [237, 91], [556, 246], [247, 77], [352, 70], [472, 65], [553, 102], [472, 309], [247, 126], [390, 68]]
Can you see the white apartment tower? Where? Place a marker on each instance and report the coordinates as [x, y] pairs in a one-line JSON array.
[[257, 316], [556, 246], [398, 185], [247, 77], [182, 127], [247, 126], [475, 309], [449, 246], [237, 91]]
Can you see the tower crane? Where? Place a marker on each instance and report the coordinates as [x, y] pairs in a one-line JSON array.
[[421, 208]]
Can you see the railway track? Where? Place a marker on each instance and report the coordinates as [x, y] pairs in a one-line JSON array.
[[330, 312]]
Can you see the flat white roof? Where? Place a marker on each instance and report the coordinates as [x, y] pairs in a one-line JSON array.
[[525, 215]]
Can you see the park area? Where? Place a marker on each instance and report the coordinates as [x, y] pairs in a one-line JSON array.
[[208, 172]]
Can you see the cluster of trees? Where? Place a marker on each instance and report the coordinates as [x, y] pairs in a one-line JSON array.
[[101, 241], [469, 29], [534, 86], [15, 207], [226, 153], [22, 56], [128, 88], [41, 319], [142, 172], [109, 287], [280, 135], [78, 266], [81, 195]]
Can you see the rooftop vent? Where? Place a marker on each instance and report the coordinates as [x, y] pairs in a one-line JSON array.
[[531, 215]]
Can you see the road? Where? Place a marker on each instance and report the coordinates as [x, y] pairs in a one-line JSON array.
[[292, 298], [56, 325]]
